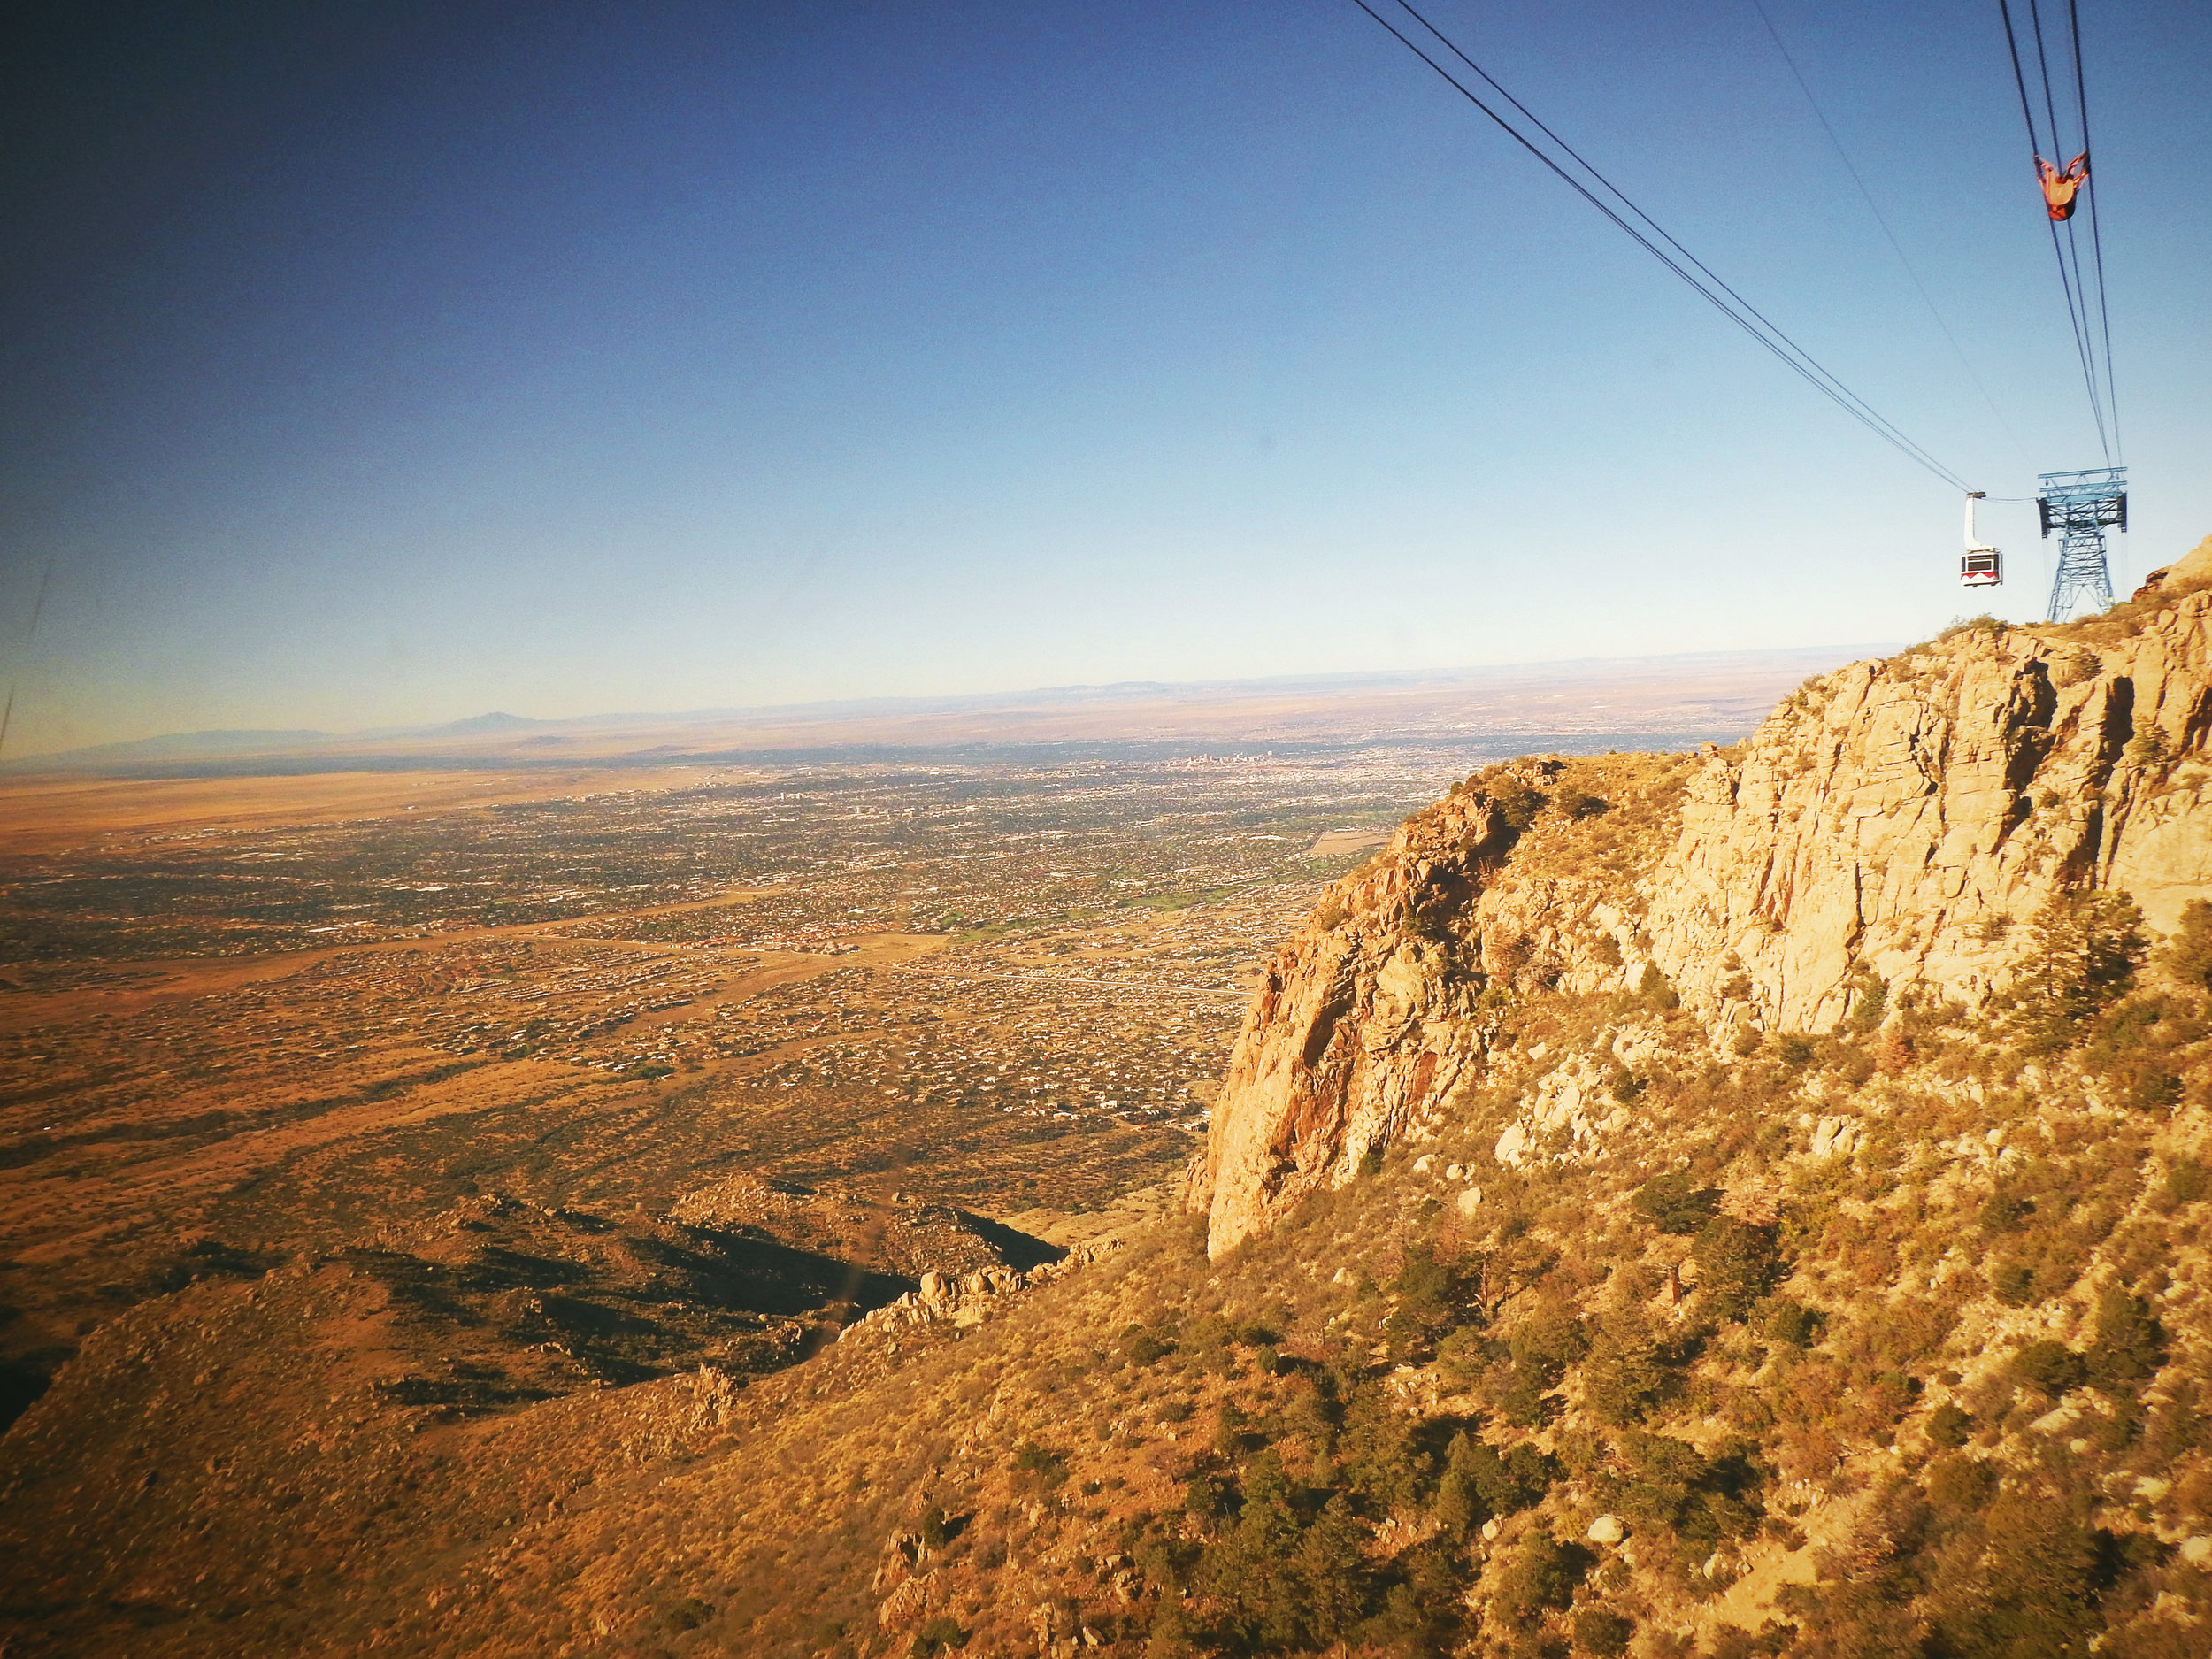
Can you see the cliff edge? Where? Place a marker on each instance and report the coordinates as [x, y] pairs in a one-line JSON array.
[[1886, 836]]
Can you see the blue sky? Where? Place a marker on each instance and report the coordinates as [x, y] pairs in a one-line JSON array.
[[374, 364]]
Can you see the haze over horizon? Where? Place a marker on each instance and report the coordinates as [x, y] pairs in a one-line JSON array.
[[1577, 703], [375, 365]]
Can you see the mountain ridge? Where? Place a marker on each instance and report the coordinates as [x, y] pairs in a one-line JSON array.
[[923, 720]]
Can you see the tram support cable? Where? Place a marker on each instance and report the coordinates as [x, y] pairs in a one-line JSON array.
[[2096, 228], [2090, 331], [1742, 313], [1843, 155]]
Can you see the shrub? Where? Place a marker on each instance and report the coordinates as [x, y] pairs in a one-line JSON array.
[[1209, 1498], [687, 1614], [1675, 1202], [1602, 1633], [2131, 1346], [1541, 1575], [938, 1634], [1964, 1486], [2050, 1367], [1230, 1430], [2152, 1089], [1142, 1346], [1516, 803], [1736, 1262], [2187, 1181], [1039, 1467], [2035, 1592], [1791, 1322], [936, 1528], [1654, 992], [2004, 1212], [1580, 803], [2188, 953], [2148, 747], [1948, 1425], [2012, 1283], [1870, 999], [1166, 1561]]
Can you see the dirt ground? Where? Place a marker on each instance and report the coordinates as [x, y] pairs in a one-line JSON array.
[[52, 814]]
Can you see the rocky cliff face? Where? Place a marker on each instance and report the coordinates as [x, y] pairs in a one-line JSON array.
[[1375, 1012], [1896, 824], [1901, 817]]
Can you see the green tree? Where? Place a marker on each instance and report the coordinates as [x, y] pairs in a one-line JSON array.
[[2085, 949], [2188, 953], [1736, 1262], [1541, 1575], [1675, 1202], [1286, 1578], [1377, 1453], [2051, 1367], [1625, 1377], [1655, 993], [1674, 1488], [2131, 1346], [1479, 1481], [1431, 1299]]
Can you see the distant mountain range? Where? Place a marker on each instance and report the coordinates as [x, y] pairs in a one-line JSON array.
[[1718, 694]]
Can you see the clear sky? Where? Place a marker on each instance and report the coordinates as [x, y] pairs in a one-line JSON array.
[[386, 363]]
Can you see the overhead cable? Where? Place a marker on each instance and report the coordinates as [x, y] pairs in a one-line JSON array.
[[1836, 141], [2096, 228], [2089, 316], [30, 636], [1689, 268]]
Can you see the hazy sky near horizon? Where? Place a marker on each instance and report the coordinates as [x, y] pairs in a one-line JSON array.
[[377, 364]]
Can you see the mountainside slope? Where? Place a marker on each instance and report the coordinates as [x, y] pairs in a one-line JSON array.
[[1737, 1204]]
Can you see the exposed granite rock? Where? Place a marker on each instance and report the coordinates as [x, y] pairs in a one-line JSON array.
[[1357, 1025], [1897, 821], [1901, 817]]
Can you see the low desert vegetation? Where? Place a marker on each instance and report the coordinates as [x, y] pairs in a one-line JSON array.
[[1886, 1340], [1939, 1396]]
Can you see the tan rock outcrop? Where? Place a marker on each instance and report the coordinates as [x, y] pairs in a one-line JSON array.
[[1358, 1025], [1902, 818], [2192, 567], [1898, 821]]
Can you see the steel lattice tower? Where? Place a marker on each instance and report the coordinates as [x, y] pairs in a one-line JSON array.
[[2080, 506]]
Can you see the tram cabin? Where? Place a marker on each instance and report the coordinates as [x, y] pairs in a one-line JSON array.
[[1981, 567]]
